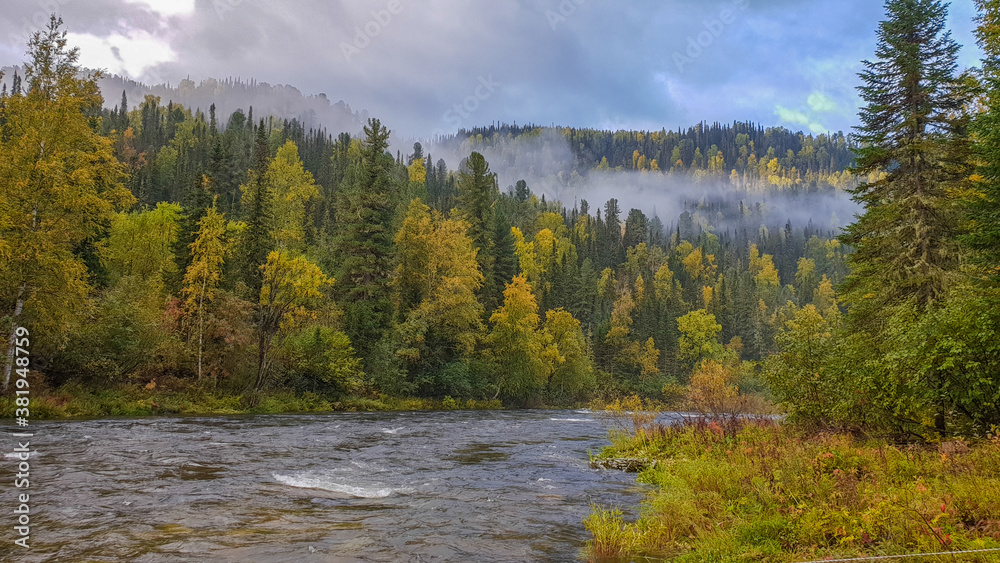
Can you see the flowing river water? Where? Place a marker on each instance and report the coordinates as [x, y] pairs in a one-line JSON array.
[[427, 486]]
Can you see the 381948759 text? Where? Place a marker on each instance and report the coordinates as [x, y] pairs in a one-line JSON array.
[[22, 453]]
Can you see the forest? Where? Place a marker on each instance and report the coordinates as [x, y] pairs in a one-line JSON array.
[[152, 246]]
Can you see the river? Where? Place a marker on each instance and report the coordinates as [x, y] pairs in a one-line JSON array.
[[425, 486]]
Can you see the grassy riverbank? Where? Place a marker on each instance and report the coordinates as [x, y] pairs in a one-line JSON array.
[[767, 493], [73, 401]]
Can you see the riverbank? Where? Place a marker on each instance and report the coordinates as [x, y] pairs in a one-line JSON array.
[[767, 493], [73, 401]]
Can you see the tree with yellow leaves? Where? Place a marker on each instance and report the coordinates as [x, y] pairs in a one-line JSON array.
[[59, 183], [293, 190], [208, 253], [699, 337], [436, 284], [292, 287], [141, 244], [523, 354], [418, 171], [573, 371], [541, 257]]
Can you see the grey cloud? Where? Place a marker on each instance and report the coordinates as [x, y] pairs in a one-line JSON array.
[[603, 64]]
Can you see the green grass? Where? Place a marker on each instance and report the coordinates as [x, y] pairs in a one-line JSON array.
[[766, 493], [74, 401]]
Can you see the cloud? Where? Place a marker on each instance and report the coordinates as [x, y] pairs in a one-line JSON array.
[[129, 55], [168, 7], [602, 64], [820, 103], [796, 117]]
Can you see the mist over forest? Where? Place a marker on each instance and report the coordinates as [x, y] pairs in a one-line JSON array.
[[280, 101]]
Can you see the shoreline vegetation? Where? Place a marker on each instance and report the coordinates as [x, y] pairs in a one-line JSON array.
[[754, 490], [76, 402]]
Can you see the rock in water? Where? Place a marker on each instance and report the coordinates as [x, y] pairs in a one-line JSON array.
[[626, 464]]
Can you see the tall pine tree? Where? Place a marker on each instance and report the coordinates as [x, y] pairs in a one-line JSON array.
[[905, 241], [364, 241], [258, 240], [477, 196]]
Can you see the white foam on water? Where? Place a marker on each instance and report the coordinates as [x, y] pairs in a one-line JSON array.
[[573, 419], [392, 430], [584, 411], [313, 481], [365, 466]]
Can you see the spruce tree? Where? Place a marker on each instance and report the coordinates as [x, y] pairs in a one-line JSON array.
[[364, 241], [904, 240], [477, 196], [258, 240]]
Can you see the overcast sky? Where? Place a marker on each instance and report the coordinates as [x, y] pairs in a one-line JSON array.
[[426, 66]]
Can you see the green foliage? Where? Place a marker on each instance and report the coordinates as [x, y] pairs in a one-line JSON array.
[[699, 337], [121, 336], [477, 195], [904, 241], [141, 244], [321, 360], [257, 203], [984, 229], [803, 375], [365, 204], [629, 308]]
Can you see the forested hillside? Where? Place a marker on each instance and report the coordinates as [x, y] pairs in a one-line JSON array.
[[152, 244]]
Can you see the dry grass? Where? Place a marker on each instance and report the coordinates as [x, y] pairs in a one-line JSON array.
[[745, 490]]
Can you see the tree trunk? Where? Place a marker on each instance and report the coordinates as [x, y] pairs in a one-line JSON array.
[[18, 308], [12, 348], [263, 361]]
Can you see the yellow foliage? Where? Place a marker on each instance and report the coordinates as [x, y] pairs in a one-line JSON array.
[[417, 171], [621, 320], [712, 388]]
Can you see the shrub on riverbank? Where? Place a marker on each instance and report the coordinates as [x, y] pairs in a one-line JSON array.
[[768, 493]]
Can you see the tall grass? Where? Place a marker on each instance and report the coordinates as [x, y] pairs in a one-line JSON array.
[[767, 493]]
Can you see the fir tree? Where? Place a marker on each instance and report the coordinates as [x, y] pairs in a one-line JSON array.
[[364, 241], [904, 241]]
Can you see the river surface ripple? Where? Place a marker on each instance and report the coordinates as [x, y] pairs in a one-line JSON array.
[[428, 486]]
